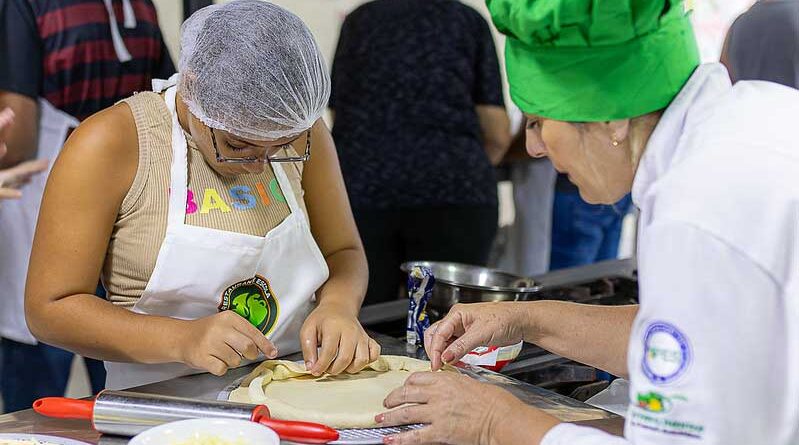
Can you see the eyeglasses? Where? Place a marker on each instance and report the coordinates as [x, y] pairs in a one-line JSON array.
[[269, 158]]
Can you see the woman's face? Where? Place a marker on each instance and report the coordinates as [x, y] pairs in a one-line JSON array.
[[586, 152], [211, 142]]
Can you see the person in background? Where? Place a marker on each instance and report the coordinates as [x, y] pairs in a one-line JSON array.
[[584, 233], [60, 61], [11, 179], [762, 44], [419, 124], [525, 248]]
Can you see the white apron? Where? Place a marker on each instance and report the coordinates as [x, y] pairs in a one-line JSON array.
[[201, 271], [18, 223]]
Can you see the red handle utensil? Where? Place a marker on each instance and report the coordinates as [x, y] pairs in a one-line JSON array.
[[64, 408], [93, 410]]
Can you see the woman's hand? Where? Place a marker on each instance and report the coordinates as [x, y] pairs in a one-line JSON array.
[[346, 347], [459, 410], [6, 119], [220, 342], [468, 326], [13, 178]]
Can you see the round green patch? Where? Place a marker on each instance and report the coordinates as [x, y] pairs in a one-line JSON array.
[[254, 300]]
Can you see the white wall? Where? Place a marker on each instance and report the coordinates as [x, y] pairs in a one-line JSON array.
[[712, 19], [170, 16]]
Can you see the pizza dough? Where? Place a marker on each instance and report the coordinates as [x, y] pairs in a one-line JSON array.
[[342, 401]]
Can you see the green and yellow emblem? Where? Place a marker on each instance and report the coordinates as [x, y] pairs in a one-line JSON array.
[[655, 402], [254, 300]]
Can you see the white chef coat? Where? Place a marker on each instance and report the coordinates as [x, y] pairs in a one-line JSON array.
[[714, 352]]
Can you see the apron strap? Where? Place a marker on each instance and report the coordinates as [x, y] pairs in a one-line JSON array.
[[285, 188], [159, 85], [179, 170]]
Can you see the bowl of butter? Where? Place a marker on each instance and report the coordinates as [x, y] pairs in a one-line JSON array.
[[208, 432]]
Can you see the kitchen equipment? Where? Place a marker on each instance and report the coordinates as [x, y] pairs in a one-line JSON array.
[[370, 436], [39, 439], [463, 283], [193, 431], [127, 414]]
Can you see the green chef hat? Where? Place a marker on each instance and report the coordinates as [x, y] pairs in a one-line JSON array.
[[595, 60]]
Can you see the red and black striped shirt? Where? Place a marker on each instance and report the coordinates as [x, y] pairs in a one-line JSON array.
[[62, 50]]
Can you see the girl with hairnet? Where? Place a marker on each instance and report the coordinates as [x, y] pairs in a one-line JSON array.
[[615, 97], [214, 211]]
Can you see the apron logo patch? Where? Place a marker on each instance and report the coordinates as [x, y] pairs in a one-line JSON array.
[[667, 353], [254, 300]]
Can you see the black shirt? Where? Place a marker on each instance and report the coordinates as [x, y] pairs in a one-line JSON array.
[[406, 79], [763, 43], [62, 51]]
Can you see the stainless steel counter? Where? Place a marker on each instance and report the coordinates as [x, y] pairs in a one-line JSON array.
[[208, 387]]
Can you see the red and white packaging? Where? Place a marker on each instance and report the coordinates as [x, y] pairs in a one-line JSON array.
[[492, 357]]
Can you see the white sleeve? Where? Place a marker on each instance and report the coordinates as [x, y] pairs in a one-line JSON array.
[[570, 434], [707, 354]]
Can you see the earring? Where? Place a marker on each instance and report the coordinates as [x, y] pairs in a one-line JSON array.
[[614, 141]]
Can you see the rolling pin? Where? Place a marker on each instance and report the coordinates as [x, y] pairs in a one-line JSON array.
[[125, 413]]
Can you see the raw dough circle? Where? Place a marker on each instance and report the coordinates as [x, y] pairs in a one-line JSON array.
[[341, 401]]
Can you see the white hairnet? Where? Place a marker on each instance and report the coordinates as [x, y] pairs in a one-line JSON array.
[[253, 69]]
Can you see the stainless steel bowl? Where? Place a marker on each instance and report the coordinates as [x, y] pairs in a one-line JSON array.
[[463, 283]]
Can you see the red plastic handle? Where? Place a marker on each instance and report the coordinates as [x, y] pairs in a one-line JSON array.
[[302, 432], [63, 408]]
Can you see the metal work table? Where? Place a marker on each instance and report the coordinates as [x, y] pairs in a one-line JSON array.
[[208, 387]]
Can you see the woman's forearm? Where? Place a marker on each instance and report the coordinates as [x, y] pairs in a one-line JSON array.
[[346, 286], [495, 127], [95, 328], [595, 335]]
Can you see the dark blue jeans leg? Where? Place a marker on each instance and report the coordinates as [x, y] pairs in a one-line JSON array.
[[584, 233], [614, 217], [576, 236], [30, 372]]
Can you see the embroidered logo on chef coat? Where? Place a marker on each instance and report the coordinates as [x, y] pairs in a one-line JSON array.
[[254, 300], [667, 353], [655, 402]]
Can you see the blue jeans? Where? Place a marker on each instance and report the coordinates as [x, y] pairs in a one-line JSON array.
[[29, 372], [584, 233]]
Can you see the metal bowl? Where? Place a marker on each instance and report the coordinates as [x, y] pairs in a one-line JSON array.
[[464, 283]]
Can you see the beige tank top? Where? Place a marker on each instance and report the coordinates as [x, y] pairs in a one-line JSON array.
[[252, 204]]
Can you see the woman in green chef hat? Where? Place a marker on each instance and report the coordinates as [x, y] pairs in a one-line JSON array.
[[615, 97]]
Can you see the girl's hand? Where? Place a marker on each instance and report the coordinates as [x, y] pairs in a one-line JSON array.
[[346, 347]]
